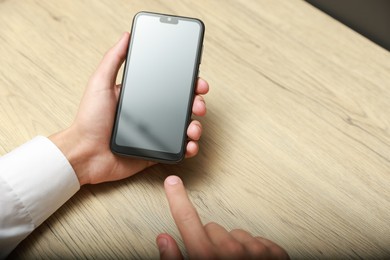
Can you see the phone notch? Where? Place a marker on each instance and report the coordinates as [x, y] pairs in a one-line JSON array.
[[169, 19]]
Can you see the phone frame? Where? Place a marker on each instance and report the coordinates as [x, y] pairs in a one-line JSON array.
[[154, 155]]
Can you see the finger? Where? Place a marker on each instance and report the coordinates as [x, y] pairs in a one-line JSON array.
[[242, 236], [224, 242], [194, 130], [254, 246], [112, 60], [202, 87], [265, 241], [117, 90], [167, 247], [192, 149], [186, 218], [275, 249], [199, 106], [217, 234]]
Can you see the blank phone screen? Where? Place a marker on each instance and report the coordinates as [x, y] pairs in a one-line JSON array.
[[158, 83]]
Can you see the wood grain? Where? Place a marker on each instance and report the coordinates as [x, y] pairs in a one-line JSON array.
[[296, 143]]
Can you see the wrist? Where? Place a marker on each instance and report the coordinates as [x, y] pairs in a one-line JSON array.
[[75, 152]]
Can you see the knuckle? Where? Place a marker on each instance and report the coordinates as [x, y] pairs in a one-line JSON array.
[[240, 232], [204, 251], [186, 215], [233, 248], [210, 225], [279, 252], [256, 248], [110, 53], [95, 79]]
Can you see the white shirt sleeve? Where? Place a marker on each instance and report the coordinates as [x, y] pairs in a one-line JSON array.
[[35, 180]]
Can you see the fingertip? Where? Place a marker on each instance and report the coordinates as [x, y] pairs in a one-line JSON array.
[[112, 61], [125, 37], [167, 247], [120, 46], [192, 149], [202, 86], [194, 131], [162, 243], [123, 42], [172, 180], [172, 185], [199, 106]]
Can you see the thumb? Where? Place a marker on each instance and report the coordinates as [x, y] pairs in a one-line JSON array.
[[112, 60], [168, 247]]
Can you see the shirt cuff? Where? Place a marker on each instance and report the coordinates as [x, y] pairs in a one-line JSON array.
[[41, 176]]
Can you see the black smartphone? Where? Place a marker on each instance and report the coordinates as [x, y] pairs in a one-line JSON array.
[[158, 87]]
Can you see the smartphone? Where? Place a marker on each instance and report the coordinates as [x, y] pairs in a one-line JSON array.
[[158, 86]]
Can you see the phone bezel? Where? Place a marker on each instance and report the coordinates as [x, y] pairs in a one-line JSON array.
[[155, 155]]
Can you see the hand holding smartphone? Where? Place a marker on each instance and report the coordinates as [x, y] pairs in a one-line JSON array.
[[159, 79]]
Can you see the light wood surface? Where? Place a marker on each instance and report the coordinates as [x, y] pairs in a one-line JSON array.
[[296, 143]]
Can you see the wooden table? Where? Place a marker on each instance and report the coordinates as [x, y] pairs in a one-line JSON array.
[[296, 143]]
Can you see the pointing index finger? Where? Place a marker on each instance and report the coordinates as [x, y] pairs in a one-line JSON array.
[[186, 218]]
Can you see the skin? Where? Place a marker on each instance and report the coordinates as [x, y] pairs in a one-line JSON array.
[[86, 142], [210, 241], [86, 146]]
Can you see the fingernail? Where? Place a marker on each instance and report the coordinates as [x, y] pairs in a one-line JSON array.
[[172, 180], [162, 244]]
